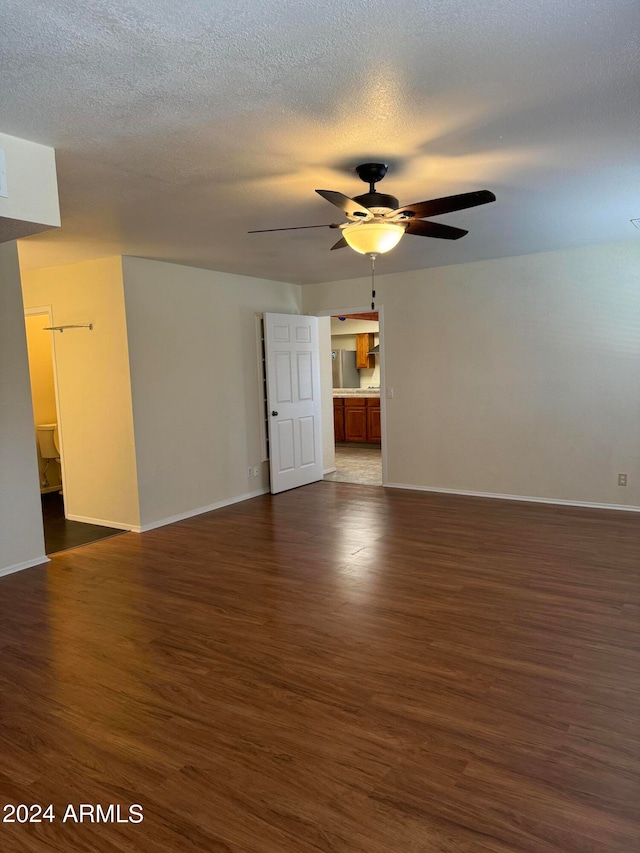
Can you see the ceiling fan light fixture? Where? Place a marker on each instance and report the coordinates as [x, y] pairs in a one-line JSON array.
[[373, 238]]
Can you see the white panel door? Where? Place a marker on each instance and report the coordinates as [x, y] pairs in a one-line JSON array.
[[293, 399]]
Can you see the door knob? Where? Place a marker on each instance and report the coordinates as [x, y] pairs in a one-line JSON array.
[[275, 414]]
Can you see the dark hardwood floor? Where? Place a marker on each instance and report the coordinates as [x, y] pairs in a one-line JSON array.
[[338, 668], [60, 534]]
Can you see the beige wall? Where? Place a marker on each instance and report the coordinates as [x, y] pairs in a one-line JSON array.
[[343, 336], [21, 536], [352, 327], [517, 376], [195, 383], [96, 421], [368, 375], [43, 396], [326, 385], [41, 369]]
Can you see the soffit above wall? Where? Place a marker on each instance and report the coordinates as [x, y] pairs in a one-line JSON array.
[[16, 229]]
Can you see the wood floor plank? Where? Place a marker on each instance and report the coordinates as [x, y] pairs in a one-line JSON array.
[[339, 668]]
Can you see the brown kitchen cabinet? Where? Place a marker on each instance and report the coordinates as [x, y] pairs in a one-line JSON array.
[[364, 343], [374, 432], [338, 418], [357, 419]]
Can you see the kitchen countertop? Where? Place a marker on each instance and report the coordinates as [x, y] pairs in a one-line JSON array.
[[356, 392]]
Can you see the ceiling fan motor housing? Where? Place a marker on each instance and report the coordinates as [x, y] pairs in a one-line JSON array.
[[371, 173], [377, 202]]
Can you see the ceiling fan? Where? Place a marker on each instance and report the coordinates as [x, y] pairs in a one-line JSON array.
[[376, 222]]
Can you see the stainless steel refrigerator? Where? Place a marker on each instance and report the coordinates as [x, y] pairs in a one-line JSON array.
[[345, 372]]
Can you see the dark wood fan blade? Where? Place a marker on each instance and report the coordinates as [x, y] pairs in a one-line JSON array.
[[293, 228], [448, 204], [434, 229], [340, 244], [353, 208]]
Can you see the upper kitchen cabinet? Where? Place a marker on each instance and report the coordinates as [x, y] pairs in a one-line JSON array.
[[364, 343]]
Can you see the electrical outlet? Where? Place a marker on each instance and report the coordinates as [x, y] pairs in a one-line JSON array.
[[389, 393], [249, 471], [622, 479], [255, 470]]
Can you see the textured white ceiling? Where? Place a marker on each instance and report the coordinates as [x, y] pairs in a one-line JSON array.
[[182, 124]]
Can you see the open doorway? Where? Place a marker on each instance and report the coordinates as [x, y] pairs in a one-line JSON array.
[[356, 372], [60, 533]]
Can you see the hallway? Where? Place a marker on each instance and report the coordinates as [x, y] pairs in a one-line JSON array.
[[357, 463], [60, 534]]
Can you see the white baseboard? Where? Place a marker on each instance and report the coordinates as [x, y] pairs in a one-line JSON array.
[[101, 522], [329, 471], [18, 567], [524, 498], [199, 511]]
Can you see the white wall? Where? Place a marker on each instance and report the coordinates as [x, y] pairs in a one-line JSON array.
[[195, 383], [517, 376], [21, 535], [94, 392], [32, 188]]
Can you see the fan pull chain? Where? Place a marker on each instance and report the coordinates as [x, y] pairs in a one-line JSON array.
[[373, 281]]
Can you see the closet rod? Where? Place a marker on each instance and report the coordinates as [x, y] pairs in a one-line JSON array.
[[69, 326]]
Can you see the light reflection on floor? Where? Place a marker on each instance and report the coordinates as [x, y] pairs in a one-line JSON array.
[[361, 464]]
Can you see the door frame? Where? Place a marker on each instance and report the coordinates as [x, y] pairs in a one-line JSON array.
[[336, 312], [47, 311]]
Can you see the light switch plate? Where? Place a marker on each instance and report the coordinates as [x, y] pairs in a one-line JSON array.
[[3, 174]]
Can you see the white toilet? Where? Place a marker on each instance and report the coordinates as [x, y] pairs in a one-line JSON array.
[[47, 435], [48, 441]]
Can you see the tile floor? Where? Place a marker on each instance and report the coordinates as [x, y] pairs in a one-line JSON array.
[[358, 463]]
